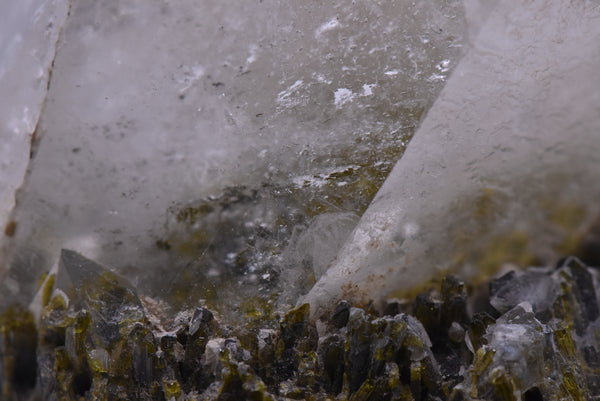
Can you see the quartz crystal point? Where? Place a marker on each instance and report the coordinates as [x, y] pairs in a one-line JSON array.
[[94, 333], [113, 304], [544, 351], [503, 169]]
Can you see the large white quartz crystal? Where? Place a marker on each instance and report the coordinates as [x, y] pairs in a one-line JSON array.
[[154, 105], [505, 166], [29, 31]]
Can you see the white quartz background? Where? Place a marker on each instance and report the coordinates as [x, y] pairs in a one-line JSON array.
[[154, 103], [29, 30]]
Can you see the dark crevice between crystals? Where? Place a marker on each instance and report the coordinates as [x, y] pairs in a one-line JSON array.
[[82, 382], [533, 394], [534, 337], [25, 362]]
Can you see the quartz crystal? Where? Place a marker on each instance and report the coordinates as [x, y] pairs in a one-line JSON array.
[[29, 31], [551, 352], [196, 169], [185, 143], [502, 170]]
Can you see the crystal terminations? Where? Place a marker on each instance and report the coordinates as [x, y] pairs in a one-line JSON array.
[[535, 337]]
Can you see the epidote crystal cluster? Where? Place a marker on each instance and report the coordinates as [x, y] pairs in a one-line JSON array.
[[533, 335]]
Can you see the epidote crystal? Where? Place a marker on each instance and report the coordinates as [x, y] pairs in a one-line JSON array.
[[107, 342]]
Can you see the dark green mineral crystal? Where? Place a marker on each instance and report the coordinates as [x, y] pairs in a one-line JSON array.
[[535, 337]]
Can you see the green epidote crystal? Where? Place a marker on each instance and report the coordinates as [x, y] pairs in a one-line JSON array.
[[102, 342]]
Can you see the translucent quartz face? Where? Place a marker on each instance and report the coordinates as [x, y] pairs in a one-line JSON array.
[[216, 153], [503, 169], [29, 31], [191, 146]]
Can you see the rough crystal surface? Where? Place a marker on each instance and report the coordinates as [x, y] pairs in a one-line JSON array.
[[197, 135], [29, 32], [218, 157], [503, 168], [358, 354], [537, 288]]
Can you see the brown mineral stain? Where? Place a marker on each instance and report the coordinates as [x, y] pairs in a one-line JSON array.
[[374, 244], [10, 229]]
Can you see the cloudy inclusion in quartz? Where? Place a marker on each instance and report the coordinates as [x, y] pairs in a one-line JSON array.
[[167, 123]]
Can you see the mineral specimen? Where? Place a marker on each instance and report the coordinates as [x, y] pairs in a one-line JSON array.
[[104, 342], [177, 108], [29, 32], [497, 170]]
